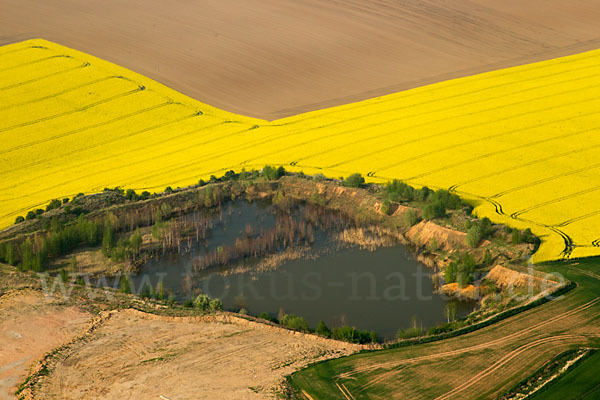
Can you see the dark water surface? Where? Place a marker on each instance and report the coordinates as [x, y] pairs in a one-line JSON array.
[[377, 290]]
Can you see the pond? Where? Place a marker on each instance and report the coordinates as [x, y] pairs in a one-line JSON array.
[[319, 278]]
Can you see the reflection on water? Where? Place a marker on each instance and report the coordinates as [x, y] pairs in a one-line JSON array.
[[377, 290]]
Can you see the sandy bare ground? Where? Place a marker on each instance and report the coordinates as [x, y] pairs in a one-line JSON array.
[[30, 326], [275, 58], [139, 356]]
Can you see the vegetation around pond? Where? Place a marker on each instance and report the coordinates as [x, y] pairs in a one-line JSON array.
[[119, 222], [127, 227]]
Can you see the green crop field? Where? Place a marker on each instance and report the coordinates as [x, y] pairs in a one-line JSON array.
[[580, 383]]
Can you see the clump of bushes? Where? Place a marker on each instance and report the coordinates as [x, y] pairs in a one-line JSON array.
[[400, 191], [525, 236], [386, 207], [354, 180], [411, 217], [267, 317], [294, 322], [204, 303], [460, 270], [272, 173], [478, 231], [353, 335], [437, 202], [323, 330], [434, 210]]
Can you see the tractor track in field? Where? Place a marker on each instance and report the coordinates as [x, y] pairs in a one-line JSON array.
[[500, 341], [40, 78], [569, 244], [86, 107], [456, 130], [504, 360], [393, 120]]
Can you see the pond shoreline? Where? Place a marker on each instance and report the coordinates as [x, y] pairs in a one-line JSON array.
[[435, 242]]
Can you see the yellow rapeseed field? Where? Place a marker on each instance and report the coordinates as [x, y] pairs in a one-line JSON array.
[[522, 143]]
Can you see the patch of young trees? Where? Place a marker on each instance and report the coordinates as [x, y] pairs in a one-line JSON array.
[[436, 202], [203, 302], [272, 173], [347, 334], [460, 270], [343, 333], [33, 253], [354, 180], [479, 230], [294, 322]]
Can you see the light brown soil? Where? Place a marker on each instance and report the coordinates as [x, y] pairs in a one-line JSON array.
[[31, 326], [275, 58], [448, 239], [141, 356], [503, 277]]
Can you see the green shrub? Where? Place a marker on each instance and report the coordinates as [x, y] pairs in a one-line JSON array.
[[229, 175], [448, 200], [19, 219], [460, 270], [411, 217], [319, 177], [216, 305], [130, 194], [354, 180], [353, 335], [267, 317], [202, 302], [386, 207], [294, 322], [54, 204], [529, 237], [323, 330], [434, 210], [423, 194], [516, 236], [272, 173], [474, 236], [399, 191]]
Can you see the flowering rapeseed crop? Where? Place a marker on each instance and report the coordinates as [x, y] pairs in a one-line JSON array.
[[523, 143]]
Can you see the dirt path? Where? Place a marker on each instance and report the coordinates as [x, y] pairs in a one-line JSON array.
[[504, 360], [275, 58]]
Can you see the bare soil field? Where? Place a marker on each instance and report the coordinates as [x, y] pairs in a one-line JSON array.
[[272, 58], [31, 326], [143, 356]]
